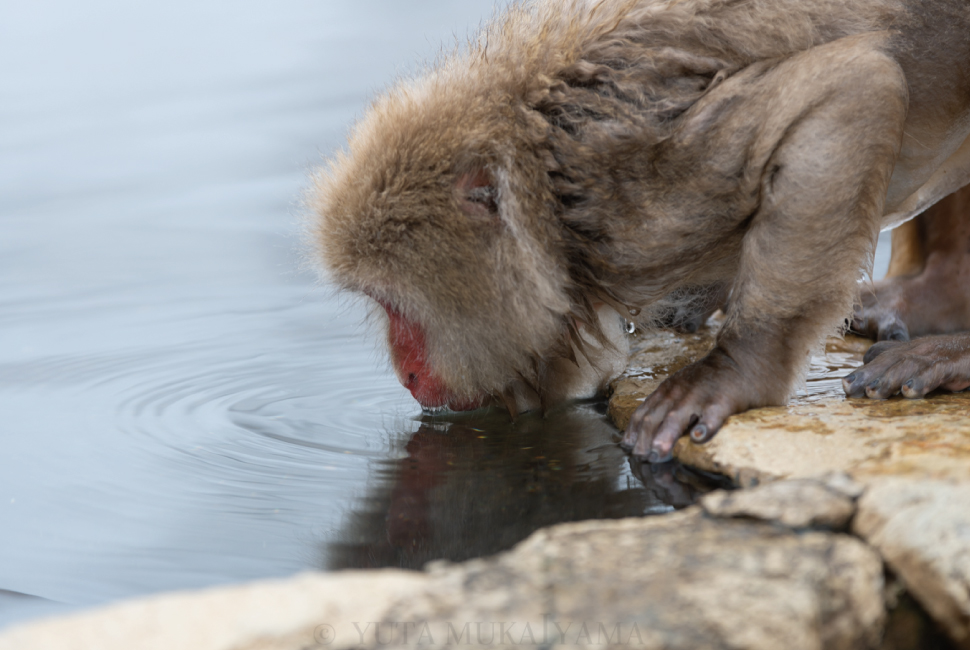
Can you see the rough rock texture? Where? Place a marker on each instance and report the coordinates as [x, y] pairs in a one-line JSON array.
[[759, 568], [685, 580], [911, 456], [922, 529], [820, 431], [930, 438], [800, 503]]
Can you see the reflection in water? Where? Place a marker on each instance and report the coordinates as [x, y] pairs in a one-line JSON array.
[[181, 407], [474, 486]]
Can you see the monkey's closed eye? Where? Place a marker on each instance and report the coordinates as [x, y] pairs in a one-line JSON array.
[[477, 194], [486, 197]]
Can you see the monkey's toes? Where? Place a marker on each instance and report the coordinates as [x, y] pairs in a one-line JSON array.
[[880, 323], [913, 368]]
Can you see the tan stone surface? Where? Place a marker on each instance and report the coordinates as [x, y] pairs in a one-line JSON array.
[[922, 529], [695, 582], [684, 580], [257, 615], [926, 437], [732, 573], [797, 503], [820, 431], [911, 456]]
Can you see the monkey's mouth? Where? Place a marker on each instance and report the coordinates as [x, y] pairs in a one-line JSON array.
[[409, 356], [434, 397], [460, 406]]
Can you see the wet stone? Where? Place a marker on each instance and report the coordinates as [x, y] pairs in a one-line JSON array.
[[908, 459], [800, 503], [771, 566], [819, 431], [684, 580], [922, 529]]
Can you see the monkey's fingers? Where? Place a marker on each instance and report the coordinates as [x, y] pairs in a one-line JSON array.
[[694, 401], [878, 348], [913, 368], [882, 374], [646, 420]]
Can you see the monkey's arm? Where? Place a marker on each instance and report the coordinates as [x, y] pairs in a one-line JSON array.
[[832, 122]]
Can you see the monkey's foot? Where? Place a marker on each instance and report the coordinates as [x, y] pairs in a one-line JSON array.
[[935, 301], [695, 400], [881, 314], [913, 368]]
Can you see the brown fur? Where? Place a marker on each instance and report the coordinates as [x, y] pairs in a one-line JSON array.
[[927, 288], [928, 294], [907, 251], [652, 156]]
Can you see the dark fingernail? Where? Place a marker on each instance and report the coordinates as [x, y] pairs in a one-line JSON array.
[[872, 390], [698, 433], [659, 456], [850, 378], [909, 384]]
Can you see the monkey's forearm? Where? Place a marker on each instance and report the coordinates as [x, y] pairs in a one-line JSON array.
[[804, 246]]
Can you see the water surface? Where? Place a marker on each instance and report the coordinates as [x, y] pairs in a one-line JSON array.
[[182, 405]]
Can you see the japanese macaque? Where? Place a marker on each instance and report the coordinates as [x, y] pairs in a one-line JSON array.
[[583, 162], [926, 293]]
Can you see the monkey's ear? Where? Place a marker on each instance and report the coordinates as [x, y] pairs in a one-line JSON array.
[[477, 194]]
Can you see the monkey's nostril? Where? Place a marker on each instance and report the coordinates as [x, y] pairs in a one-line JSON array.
[[412, 380]]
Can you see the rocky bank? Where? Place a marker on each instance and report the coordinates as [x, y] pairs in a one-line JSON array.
[[849, 509], [910, 461]]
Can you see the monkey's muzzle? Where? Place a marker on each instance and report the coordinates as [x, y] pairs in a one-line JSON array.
[[409, 356]]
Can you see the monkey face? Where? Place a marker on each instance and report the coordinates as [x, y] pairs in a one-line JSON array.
[[440, 214], [467, 312], [407, 343]]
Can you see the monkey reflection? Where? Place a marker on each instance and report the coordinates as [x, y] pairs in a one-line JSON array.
[[471, 488]]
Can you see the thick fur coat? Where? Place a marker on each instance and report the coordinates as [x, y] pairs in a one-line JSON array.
[[653, 157]]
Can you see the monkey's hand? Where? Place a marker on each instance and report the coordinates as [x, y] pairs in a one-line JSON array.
[[934, 301], [913, 368], [804, 242], [695, 400]]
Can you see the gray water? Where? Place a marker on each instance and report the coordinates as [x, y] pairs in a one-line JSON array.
[[183, 406]]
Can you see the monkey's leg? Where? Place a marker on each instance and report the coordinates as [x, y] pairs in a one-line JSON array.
[[934, 297], [832, 132], [927, 290], [906, 249]]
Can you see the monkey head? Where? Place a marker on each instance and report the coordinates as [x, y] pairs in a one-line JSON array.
[[441, 210]]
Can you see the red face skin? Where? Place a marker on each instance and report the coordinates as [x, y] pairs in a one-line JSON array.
[[410, 358]]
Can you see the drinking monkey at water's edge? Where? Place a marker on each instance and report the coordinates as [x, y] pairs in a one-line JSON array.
[[580, 163]]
